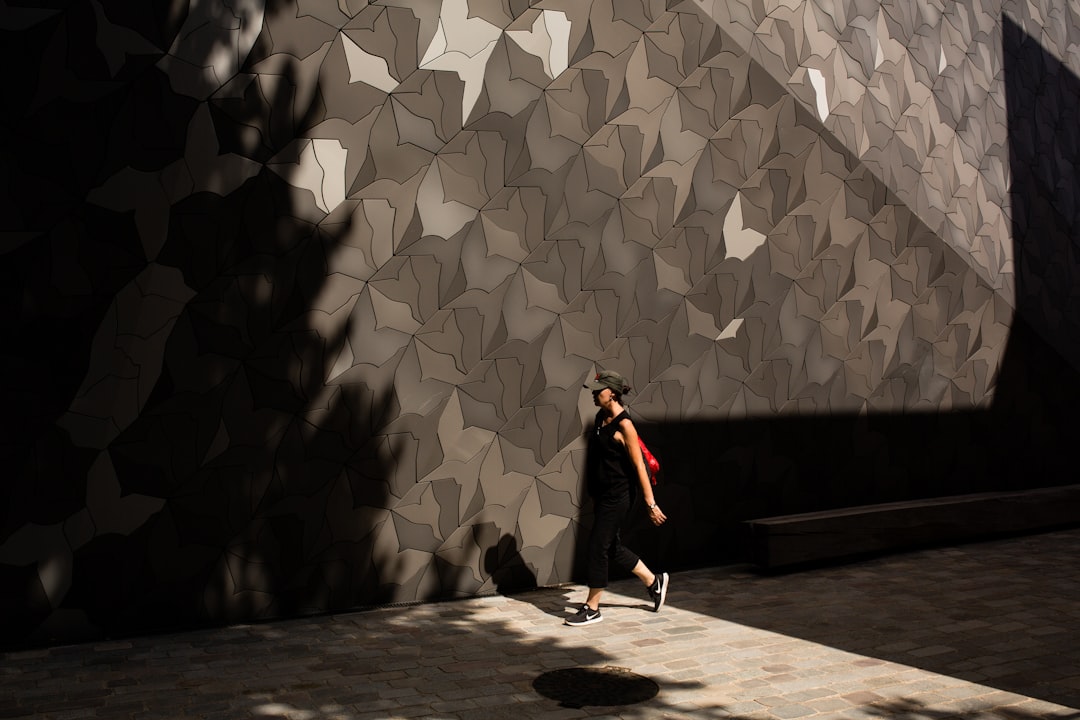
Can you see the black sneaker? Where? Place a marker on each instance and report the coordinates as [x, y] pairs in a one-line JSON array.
[[658, 591], [585, 616]]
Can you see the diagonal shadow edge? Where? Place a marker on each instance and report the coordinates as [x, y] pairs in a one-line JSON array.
[[1000, 285], [1021, 441]]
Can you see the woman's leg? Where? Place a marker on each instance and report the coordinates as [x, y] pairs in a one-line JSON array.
[[621, 556], [657, 583], [605, 526], [644, 573], [604, 545]]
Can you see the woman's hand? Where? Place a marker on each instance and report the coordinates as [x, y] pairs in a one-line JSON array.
[[657, 515]]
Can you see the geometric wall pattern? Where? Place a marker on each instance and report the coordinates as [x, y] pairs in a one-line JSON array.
[[299, 297]]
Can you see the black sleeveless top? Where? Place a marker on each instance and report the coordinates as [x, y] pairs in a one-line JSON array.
[[609, 470]]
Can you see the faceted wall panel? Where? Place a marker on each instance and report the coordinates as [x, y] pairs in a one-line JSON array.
[[299, 298]]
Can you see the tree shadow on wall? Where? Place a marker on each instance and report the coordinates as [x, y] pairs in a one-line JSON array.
[[258, 487]]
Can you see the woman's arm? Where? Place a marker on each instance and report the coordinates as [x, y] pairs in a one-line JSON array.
[[630, 442]]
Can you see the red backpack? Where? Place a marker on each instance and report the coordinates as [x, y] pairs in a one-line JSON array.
[[651, 463]]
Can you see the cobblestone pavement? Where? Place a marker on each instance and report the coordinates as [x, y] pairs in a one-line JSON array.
[[980, 631]]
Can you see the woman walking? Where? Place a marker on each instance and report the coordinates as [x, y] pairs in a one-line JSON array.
[[616, 468]]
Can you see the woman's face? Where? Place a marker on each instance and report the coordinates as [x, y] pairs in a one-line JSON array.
[[602, 397]]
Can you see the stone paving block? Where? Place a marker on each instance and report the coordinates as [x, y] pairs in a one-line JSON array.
[[932, 650], [828, 704], [809, 694], [792, 711]]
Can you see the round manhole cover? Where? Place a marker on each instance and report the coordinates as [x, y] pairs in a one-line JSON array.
[[578, 687]]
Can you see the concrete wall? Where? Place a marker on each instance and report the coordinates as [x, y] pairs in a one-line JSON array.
[[299, 299]]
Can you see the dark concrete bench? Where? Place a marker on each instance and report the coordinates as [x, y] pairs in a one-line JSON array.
[[847, 533]]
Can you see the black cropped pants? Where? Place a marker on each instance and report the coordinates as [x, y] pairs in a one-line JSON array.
[[605, 545]]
